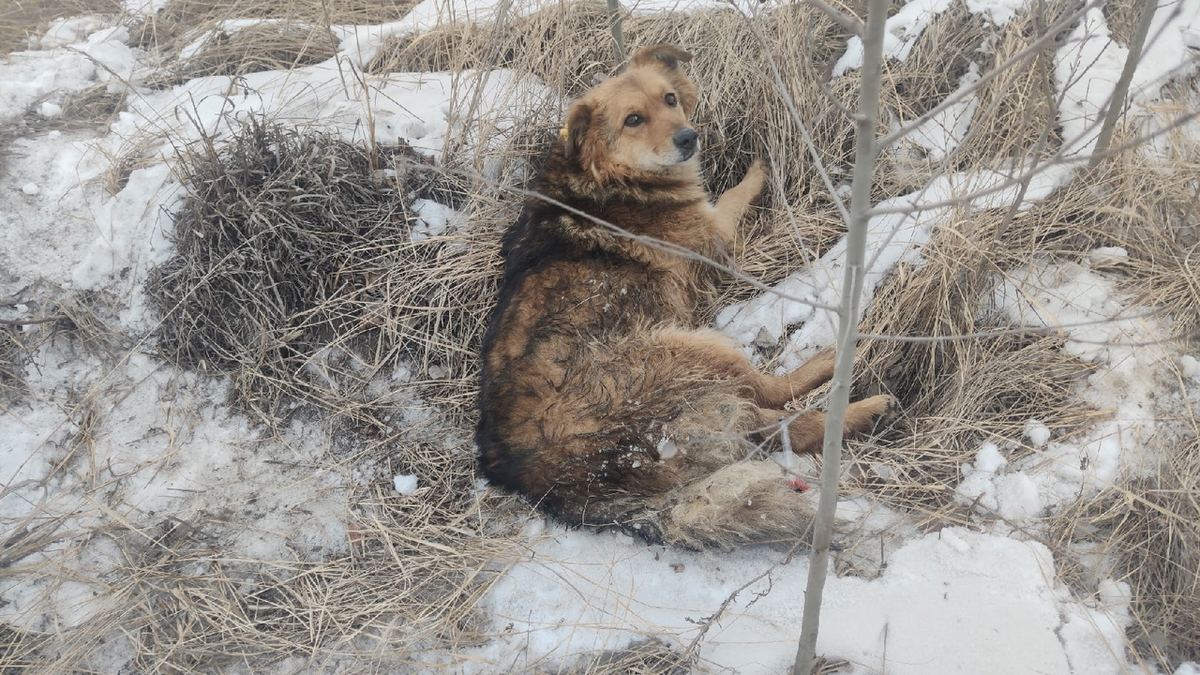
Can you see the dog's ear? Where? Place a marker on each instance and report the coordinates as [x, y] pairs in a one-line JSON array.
[[575, 131], [668, 58], [583, 143], [666, 55]]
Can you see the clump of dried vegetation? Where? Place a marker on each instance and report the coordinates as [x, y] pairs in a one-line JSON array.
[[297, 274], [299, 269], [11, 362], [24, 19]]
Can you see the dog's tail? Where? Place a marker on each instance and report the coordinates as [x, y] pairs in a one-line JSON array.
[[748, 502], [744, 503]]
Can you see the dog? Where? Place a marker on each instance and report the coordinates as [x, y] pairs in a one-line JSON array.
[[602, 400]]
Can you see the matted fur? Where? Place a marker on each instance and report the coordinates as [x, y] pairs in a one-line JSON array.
[[601, 399]]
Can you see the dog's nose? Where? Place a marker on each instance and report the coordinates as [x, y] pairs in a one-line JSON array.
[[685, 140]]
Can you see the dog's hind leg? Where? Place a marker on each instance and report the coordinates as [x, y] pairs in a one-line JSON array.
[[806, 431], [717, 354], [774, 392]]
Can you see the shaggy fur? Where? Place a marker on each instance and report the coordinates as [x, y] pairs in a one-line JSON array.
[[601, 399]]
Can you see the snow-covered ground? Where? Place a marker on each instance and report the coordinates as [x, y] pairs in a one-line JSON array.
[[955, 600]]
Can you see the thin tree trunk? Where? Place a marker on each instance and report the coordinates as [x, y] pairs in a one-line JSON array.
[[1116, 104], [839, 396], [618, 33]]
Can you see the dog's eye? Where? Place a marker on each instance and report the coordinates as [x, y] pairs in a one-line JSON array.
[[672, 100], [633, 120]]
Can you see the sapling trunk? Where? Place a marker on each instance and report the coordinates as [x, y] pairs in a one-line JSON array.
[[865, 153], [1116, 104]]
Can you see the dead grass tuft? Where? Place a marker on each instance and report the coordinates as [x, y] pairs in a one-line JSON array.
[[646, 657], [1122, 18], [1156, 534], [178, 22], [1150, 539], [24, 19], [12, 361], [1151, 208], [299, 271], [956, 393], [267, 45]]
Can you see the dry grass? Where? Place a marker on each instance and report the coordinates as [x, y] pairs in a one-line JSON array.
[[1156, 534], [1147, 535], [296, 274], [181, 21], [12, 366], [1152, 209], [283, 35], [86, 319], [268, 45], [412, 581], [23, 19]]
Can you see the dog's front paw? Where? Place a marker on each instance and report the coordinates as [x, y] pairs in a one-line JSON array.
[[756, 177]]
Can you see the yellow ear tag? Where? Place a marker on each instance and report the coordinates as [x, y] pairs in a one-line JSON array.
[[562, 133]]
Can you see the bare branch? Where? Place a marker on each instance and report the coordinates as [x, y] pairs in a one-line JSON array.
[[840, 18], [1034, 47]]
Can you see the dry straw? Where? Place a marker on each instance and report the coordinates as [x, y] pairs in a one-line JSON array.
[[12, 357], [21, 20], [297, 269]]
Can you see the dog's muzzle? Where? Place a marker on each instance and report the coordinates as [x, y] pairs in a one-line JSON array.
[[686, 141]]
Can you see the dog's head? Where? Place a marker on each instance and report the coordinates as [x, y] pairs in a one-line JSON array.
[[636, 122]]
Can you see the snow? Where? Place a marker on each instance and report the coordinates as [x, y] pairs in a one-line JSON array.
[[945, 599], [1037, 433], [433, 219], [942, 133], [997, 12], [1090, 63], [405, 484], [170, 447], [900, 34]]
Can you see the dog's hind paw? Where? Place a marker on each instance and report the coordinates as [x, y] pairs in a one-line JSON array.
[[881, 404]]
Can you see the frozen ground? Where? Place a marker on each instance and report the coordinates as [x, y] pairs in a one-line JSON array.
[[948, 601]]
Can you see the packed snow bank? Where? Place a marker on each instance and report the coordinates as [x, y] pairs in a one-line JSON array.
[[158, 448], [941, 597]]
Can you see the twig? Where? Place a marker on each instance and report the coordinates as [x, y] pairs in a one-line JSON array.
[[840, 18], [30, 322], [618, 33]]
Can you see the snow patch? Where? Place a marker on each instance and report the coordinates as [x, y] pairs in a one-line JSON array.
[[900, 35], [405, 484]]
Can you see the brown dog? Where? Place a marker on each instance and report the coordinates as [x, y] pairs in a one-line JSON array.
[[600, 399]]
